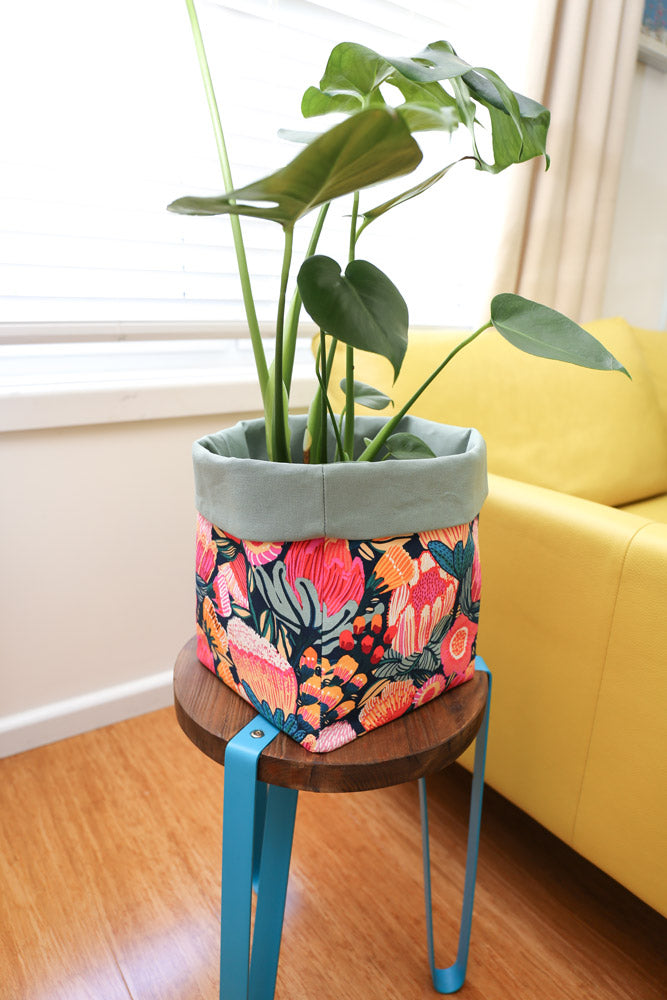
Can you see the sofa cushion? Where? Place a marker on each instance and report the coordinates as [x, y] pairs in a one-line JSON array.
[[653, 345], [597, 435], [655, 508]]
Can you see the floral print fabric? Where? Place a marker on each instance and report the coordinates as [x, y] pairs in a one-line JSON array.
[[330, 638]]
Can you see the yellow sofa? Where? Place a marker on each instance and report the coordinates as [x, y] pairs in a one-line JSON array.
[[573, 620]]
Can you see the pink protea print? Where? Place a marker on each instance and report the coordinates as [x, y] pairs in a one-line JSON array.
[[229, 585], [416, 607], [334, 736], [204, 650], [268, 674], [206, 550], [457, 646], [338, 578], [429, 690], [261, 553]]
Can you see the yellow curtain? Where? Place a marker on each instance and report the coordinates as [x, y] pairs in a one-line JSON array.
[[558, 224]]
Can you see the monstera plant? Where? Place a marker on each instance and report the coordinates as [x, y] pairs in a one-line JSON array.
[[355, 303], [337, 591]]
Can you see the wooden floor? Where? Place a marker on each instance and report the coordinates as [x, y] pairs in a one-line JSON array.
[[110, 866]]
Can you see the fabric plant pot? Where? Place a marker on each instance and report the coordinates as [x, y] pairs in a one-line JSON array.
[[336, 598]]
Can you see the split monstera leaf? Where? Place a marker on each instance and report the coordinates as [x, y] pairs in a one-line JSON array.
[[356, 304]]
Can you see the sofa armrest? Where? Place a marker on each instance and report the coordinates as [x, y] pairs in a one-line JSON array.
[[551, 567], [622, 814]]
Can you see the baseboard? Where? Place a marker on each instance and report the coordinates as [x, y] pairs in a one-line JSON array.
[[60, 719]]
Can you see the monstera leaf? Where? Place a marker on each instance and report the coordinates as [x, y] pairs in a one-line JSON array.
[[369, 147], [413, 192], [366, 395], [437, 61], [355, 70], [539, 330], [361, 307], [519, 125], [405, 446]]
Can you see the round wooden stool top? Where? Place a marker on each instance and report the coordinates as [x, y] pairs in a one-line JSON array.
[[417, 744]]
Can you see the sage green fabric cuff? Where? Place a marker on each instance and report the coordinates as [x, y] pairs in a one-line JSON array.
[[240, 491]]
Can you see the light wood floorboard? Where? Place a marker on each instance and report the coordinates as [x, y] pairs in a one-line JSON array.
[[110, 869]]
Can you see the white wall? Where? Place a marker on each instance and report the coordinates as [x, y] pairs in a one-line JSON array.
[[637, 276], [97, 549]]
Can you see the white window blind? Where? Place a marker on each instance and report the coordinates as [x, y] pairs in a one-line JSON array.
[[104, 122]]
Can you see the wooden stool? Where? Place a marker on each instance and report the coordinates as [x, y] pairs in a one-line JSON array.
[[265, 770]]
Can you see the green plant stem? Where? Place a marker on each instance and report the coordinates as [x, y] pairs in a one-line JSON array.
[[292, 322], [237, 235], [349, 399], [339, 441], [361, 228], [323, 384], [315, 411], [372, 449], [353, 227], [280, 444], [349, 351]]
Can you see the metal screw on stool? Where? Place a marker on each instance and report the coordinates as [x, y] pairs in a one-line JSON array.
[[257, 734]]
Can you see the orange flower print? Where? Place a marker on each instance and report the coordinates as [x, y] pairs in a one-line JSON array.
[[268, 674], [327, 562], [431, 689], [334, 736], [213, 629], [212, 639], [393, 701], [345, 668], [206, 550], [230, 585], [457, 646], [261, 553], [394, 568], [331, 695], [311, 715], [415, 608]]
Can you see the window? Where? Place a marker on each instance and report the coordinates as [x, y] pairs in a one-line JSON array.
[[107, 123]]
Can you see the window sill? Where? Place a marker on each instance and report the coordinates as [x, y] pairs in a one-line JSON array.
[[65, 385]]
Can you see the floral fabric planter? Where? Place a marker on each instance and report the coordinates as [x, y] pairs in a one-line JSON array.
[[331, 633]]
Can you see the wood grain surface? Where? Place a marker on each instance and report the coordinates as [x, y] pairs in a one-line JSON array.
[[415, 745], [110, 881]]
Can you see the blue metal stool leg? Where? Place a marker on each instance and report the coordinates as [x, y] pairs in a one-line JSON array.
[[451, 979], [246, 833], [258, 831], [273, 873]]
